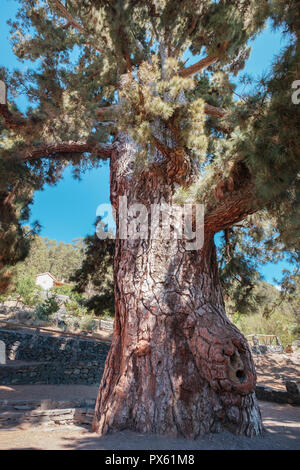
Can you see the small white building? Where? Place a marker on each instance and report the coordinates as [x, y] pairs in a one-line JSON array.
[[46, 281]]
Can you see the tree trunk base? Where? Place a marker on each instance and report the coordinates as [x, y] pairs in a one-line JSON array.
[[174, 388]]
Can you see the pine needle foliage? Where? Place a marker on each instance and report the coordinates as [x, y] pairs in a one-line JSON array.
[[100, 67]]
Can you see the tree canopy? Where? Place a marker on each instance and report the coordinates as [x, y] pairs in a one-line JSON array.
[[103, 67]]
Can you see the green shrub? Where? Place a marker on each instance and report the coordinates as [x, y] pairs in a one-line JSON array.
[[107, 314], [87, 323], [73, 323], [75, 309], [47, 308], [66, 290], [27, 291], [281, 324], [4, 297]]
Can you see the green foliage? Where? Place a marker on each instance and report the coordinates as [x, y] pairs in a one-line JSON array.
[[95, 276], [102, 305], [62, 290], [3, 298], [27, 291], [79, 318], [47, 308], [87, 323], [16, 190], [67, 290], [71, 324], [106, 314], [75, 309], [243, 250], [273, 312], [281, 324], [145, 108], [45, 255]]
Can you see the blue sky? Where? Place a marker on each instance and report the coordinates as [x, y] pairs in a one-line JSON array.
[[68, 210]]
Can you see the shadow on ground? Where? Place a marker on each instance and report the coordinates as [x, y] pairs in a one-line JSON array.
[[282, 423], [282, 431]]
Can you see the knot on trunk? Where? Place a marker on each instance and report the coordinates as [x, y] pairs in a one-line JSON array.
[[143, 348], [225, 362]]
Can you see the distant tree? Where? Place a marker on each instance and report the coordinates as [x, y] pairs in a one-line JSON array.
[[45, 255], [244, 249], [95, 276], [290, 297]]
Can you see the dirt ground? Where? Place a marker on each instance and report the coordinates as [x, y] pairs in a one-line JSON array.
[[47, 392], [273, 369], [282, 423]]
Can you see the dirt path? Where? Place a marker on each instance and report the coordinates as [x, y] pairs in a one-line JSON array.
[[282, 424]]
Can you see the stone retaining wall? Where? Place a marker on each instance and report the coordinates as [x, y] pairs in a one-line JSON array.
[[53, 373], [266, 349], [44, 359], [29, 346], [107, 325], [278, 396]]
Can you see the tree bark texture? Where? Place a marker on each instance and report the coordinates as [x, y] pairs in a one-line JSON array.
[[177, 366]]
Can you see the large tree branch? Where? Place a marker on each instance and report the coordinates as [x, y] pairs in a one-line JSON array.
[[213, 111], [103, 114], [233, 208], [16, 122], [59, 149], [12, 121], [203, 63], [124, 43], [234, 199], [106, 112], [69, 17]]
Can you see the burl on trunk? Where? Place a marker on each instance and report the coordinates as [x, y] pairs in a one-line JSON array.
[[177, 366]]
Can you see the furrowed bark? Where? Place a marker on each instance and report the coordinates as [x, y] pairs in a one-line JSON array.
[[177, 366]]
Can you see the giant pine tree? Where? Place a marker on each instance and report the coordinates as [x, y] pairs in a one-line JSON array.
[[111, 81]]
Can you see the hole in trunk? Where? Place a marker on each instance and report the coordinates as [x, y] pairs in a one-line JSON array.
[[240, 375]]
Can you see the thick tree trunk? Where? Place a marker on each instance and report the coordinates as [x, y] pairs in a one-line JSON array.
[[177, 366]]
